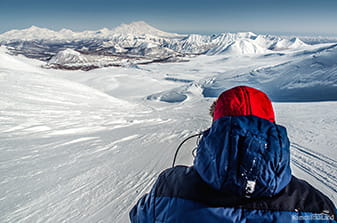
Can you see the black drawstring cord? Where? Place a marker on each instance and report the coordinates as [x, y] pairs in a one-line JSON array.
[[177, 150]]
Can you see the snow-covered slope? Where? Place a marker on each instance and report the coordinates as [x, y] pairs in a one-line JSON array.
[[294, 43], [236, 43], [303, 76], [84, 146], [192, 44], [10, 62], [313, 77], [242, 47]]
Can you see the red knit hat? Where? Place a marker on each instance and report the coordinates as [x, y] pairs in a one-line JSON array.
[[243, 100]]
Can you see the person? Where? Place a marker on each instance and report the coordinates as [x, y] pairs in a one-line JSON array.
[[241, 173]]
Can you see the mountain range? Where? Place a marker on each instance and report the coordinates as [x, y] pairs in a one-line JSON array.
[[135, 43]]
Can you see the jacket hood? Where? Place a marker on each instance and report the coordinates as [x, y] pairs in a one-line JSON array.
[[244, 155], [244, 152]]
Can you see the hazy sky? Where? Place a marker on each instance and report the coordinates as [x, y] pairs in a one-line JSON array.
[[313, 17]]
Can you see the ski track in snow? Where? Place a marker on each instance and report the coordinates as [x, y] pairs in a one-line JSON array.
[[315, 164]]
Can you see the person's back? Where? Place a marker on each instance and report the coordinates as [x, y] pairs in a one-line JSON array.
[[241, 173]]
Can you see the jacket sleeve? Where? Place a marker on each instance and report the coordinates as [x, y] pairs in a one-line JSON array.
[[143, 211]]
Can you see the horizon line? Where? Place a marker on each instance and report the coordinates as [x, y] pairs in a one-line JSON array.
[[199, 32]]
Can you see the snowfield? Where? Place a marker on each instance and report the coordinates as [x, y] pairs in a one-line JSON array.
[[80, 146]]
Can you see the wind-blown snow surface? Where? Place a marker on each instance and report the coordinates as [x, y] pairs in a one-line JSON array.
[[81, 146]]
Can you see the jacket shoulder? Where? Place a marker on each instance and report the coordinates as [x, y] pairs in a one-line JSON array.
[[297, 197], [303, 197]]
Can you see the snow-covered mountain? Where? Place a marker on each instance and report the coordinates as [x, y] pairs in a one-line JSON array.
[[33, 33], [139, 43], [141, 28], [68, 56]]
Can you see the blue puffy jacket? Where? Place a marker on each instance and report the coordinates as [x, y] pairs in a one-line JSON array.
[[241, 173]]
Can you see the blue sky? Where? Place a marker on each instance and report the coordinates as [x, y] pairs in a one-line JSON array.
[[309, 17]]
